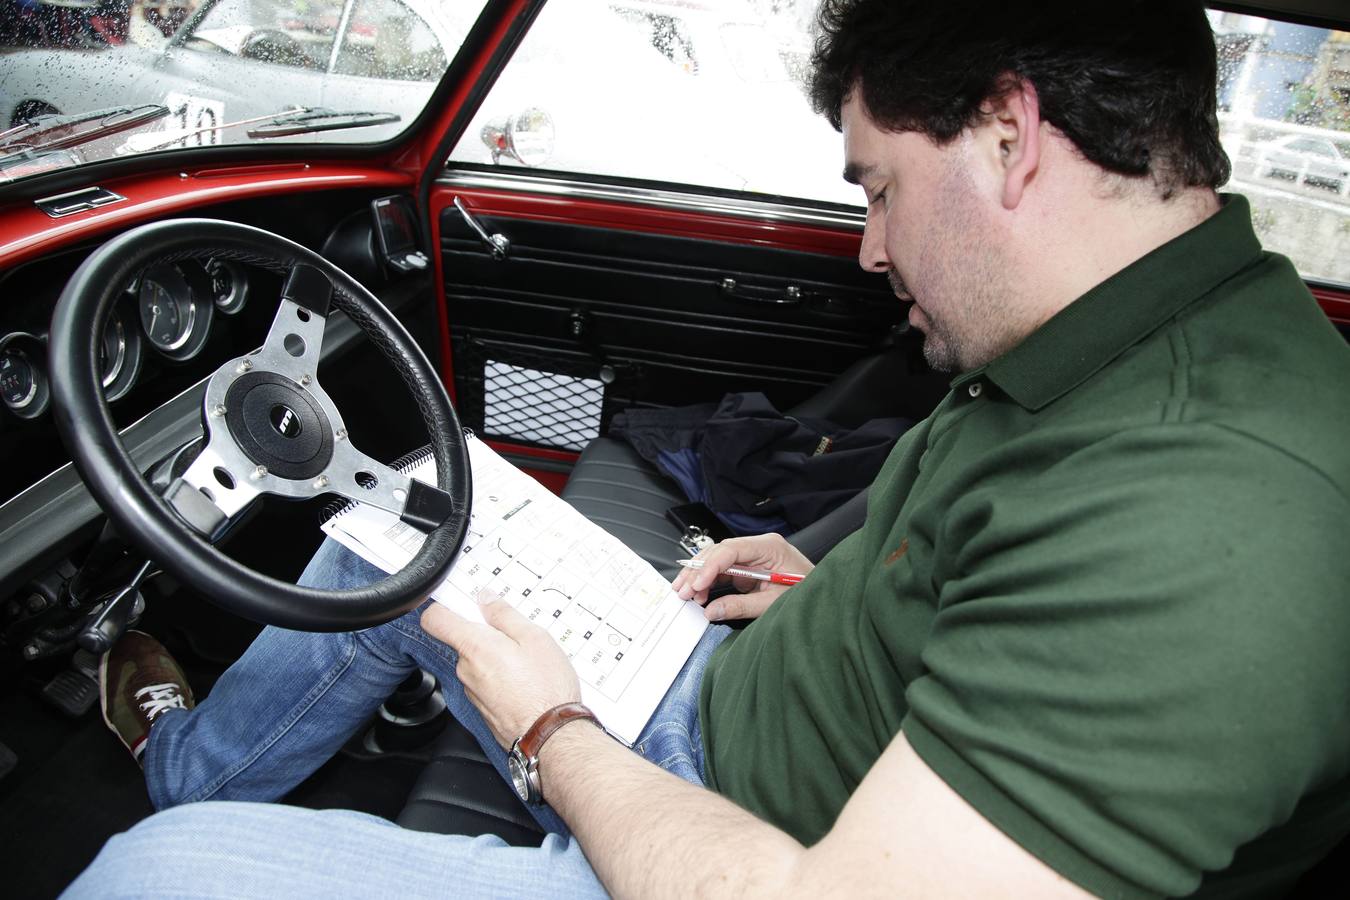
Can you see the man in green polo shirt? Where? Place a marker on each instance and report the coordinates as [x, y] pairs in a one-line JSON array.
[[1093, 634]]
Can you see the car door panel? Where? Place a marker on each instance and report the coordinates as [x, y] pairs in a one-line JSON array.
[[665, 308]]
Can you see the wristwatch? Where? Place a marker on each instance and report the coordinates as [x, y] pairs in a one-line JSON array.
[[523, 760]]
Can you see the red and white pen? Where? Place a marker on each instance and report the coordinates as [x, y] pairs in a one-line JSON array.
[[740, 572]]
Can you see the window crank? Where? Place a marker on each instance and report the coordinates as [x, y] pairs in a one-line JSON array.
[[498, 244]]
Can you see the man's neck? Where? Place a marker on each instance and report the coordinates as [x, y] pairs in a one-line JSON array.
[[1081, 243]]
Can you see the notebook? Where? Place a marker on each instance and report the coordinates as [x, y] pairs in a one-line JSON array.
[[626, 632]]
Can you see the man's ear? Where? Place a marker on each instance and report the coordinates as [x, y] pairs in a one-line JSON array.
[[1014, 117]]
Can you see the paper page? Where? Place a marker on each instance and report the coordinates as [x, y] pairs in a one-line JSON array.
[[617, 619]]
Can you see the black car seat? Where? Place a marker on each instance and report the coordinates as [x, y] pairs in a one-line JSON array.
[[626, 495], [459, 792]]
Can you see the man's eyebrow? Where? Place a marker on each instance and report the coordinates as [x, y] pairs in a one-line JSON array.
[[854, 173]]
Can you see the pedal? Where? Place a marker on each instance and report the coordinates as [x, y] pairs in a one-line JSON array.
[[73, 692]]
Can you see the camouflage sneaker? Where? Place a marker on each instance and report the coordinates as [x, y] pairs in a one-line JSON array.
[[138, 681]]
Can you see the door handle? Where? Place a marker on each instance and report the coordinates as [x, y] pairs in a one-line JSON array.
[[789, 296], [498, 244]]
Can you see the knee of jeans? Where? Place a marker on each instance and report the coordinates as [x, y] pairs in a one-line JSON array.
[[389, 640], [121, 866]]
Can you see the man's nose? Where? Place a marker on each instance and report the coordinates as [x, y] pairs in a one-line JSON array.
[[872, 253]]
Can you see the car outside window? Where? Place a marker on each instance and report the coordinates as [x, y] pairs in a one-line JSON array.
[[1317, 148], [233, 72], [1284, 118], [385, 39], [295, 33]]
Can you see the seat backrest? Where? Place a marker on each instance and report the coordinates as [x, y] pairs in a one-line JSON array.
[[818, 538], [880, 386]]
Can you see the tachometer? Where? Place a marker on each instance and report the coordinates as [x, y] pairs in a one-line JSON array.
[[23, 379], [176, 318]]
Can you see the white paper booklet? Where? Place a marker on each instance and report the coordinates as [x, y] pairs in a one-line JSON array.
[[617, 619]]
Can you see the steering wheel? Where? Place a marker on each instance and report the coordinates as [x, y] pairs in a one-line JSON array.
[[269, 428]]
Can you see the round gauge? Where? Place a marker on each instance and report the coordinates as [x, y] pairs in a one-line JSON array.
[[119, 354], [112, 351], [176, 318], [23, 379], [18, 379], [229, 287]]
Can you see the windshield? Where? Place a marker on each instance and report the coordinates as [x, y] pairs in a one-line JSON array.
[[329, 71]]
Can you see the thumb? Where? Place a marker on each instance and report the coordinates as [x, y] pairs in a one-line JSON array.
[[740, 606]]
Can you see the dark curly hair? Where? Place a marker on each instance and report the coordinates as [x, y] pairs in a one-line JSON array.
[[1131, 83]]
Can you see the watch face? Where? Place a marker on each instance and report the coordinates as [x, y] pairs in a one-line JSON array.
[[519, 779]]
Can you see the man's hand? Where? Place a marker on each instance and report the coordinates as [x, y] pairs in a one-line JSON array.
[[511, 669], [762, 551]]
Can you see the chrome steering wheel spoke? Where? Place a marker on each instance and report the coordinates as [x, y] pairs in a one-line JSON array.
[[295, 341], [212, 492], [273, 429], [363, 479]]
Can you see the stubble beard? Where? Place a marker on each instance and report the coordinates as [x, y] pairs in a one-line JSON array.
[[965, 273]]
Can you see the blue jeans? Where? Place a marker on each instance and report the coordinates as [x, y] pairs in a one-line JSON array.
[[284, 708]]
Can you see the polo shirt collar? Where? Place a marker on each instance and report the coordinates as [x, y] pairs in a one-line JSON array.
[[1115, 315]]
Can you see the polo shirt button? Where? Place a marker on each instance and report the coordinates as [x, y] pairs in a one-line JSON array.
[[975, 389]]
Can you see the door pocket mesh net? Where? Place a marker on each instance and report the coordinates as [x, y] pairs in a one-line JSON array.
[[530, 397]]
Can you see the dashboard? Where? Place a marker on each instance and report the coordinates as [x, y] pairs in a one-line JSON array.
[[171, 327], [167, 308]]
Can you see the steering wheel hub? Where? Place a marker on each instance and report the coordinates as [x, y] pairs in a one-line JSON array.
[[278, 425]]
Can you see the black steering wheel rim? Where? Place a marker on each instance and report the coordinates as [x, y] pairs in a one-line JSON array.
[[148, 521]]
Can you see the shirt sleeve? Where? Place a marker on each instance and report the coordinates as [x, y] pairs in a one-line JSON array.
[[1139, 662]]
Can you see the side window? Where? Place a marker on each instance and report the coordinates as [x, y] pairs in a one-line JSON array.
[[1284, 118], [690, 94], [712, 95], [385, 39], [276, 32]]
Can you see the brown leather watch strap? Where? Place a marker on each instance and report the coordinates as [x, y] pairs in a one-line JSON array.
[[532, 741]]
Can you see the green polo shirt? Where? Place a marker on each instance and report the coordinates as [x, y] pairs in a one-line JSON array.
[[1104, 591]]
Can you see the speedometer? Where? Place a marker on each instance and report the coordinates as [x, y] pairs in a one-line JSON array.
[[176, 318]]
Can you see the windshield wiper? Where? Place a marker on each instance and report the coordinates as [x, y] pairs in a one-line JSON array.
[[56, 132], [318, 119], [292, 120]]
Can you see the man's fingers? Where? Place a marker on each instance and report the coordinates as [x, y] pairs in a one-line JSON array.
[[723, 554], [441, 623], [504, 617]]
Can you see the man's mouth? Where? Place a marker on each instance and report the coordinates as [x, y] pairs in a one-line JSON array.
[[898, 285]]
